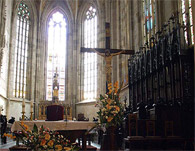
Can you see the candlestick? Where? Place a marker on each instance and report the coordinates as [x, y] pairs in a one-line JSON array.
[[31, 106], [31, 109], [23, 116], [23, 106], [31, 103], [31, 116], [23, 103]]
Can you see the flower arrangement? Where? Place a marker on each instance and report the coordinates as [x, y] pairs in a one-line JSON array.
[[43, 139], [110, 108]]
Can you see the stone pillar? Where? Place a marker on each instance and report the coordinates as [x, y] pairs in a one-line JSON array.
[[8, 108], [2, 30]]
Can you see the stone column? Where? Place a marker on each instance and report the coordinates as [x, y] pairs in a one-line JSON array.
[[2, 31]]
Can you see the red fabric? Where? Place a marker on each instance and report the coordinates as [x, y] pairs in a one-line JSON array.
[[55, 112]]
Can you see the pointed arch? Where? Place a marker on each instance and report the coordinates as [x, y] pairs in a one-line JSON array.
[[56, 52], [50, 7], [22, 54], [84, 7], [88, 17]]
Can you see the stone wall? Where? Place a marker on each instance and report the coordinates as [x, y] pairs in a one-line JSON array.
[[5, 58], [126, 33], [88, 109], [15, 108]]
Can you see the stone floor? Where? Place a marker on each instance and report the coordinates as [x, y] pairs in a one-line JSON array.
[[6, 146]]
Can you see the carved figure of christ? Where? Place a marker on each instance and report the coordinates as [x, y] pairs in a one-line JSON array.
[[107, 53]]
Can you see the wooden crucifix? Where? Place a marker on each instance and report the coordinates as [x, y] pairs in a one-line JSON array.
[[107, 53]]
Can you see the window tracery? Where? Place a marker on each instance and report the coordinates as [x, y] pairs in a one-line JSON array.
[[90, 59], [56, 58], [21, 50]]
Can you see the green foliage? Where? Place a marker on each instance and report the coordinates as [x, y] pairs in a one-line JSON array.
[[44, 139], [35, 129], [110, 108]]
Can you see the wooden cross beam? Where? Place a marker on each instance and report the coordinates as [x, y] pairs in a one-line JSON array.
[[102, 50], [108, 53]]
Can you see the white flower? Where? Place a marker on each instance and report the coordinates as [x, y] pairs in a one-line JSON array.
[[103, 109], [106, 96], [45, 146], [106, 117]]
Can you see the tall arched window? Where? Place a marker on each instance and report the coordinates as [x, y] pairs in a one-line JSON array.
[[21, 51], [149, 13], [57, 30], [90, 59], [186, 9]]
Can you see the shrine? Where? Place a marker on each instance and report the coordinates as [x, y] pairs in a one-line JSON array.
[[55, 110]]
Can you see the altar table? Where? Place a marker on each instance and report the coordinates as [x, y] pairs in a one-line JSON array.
[[76, 129]]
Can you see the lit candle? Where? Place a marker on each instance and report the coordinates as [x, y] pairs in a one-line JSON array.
[[23, 105]]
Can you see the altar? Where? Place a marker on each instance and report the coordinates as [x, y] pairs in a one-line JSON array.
[[71, 129]]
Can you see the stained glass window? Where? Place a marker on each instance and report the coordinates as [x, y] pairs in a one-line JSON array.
[[90, 59], [149, 13], [21, 51], [186, 9], [57, 30]]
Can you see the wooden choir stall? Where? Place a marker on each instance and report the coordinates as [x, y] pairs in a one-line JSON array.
[[161, 92]]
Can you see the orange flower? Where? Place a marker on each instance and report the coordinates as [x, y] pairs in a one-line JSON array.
[[116, 87], [117, 108], [47, 136], [109, 101], [109, 84], [110, 88], [30, 131], [8, 135], [4, 135], [58, 147], [50, 143], [26, 127], [109, 119], [43, 142], [67, 148], [108, 106], [22, 123]]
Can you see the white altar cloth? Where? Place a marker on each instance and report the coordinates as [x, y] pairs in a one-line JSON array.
[[55, 125]]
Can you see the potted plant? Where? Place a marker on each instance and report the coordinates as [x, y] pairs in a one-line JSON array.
[[110, 115]]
